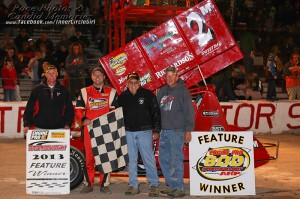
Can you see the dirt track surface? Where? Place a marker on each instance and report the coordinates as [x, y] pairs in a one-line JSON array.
[[279, 179]]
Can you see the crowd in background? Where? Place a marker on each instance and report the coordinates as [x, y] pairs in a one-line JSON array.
[[29, 56], [268, 29]]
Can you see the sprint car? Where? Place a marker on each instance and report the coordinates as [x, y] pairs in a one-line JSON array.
[[206, 101]]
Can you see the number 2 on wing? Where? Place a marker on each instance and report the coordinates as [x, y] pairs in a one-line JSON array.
[[204, 34]]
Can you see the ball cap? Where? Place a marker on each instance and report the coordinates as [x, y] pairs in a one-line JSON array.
[[133, 76]]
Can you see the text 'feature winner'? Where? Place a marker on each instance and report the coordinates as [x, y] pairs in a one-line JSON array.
[[222, 163]]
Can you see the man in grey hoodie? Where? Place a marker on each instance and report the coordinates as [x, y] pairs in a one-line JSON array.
[[177, 122]]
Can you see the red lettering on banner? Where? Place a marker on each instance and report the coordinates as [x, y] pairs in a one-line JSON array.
[[267, 115], [230, 173], [20, 117], [293, 116], [2, 117], [239, 107], [225, 107]]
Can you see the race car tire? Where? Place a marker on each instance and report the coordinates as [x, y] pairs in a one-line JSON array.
[[76, 167]]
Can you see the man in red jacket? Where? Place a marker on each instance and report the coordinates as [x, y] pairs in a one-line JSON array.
[[92, 102]]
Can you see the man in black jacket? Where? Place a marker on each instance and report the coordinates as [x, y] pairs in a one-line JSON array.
[[141, 115], [49, 105]]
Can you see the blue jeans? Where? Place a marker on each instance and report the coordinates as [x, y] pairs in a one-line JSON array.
[[171, 157], [9, 95], [141, 141], [271, 92]]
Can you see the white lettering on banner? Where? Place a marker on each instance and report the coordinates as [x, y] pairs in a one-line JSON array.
[[186, 58], [207, 8], [204, 34], [258, 116], [160, 74], [211, 49], [121, 80]]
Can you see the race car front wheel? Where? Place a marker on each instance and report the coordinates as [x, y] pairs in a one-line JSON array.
[[76, 167]]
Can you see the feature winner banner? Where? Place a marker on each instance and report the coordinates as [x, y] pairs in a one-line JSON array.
[[196, 37], [222, 163], [48, 162]]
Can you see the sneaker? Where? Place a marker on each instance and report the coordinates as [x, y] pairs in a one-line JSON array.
[[132, 191], [105, 190], [154, 192], [86, 189], [177, 194]]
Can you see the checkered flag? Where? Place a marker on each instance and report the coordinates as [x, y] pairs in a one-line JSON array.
[[109, 141]]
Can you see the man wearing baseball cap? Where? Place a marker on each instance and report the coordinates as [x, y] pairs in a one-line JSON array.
[[141, 116], [86, 110], [177, 122], [49, 105]]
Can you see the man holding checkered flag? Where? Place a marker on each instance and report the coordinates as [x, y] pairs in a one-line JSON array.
[[94, 101]]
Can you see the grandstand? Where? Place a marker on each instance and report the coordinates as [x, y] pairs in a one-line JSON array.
[[128, 20]]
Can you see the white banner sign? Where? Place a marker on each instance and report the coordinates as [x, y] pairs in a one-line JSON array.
[[261, 117], [222, 163], [48, 162]]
